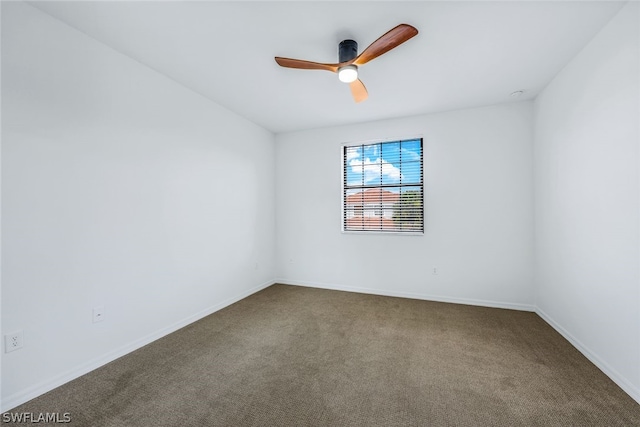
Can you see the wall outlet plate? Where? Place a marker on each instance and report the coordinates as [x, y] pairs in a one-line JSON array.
[[13, 341]]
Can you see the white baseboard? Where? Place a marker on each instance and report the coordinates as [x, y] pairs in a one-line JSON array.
[[32, 392], [41, 388], [427, 297], [625, 385], [629, 388]]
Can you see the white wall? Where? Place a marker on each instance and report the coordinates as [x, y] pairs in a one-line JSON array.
[[1, 353], [123, 189], [478, 211], [586, 201]]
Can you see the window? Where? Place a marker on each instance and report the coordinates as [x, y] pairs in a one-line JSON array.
[[383, 187]]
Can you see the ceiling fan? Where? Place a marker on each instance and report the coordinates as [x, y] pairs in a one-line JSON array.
[[349, 60]]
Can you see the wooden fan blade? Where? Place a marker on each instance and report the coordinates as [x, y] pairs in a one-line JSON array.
[[393, 38], [305, 65], [358, 90]]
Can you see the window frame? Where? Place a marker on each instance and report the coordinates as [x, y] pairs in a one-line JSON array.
[[343, 188]]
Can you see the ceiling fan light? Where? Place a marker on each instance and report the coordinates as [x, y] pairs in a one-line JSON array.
[[348, 73]]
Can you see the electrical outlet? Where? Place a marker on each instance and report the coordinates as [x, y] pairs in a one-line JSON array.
[[13, 341], [98, 314]]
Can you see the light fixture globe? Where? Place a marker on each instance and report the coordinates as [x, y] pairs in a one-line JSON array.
[[348, 73]]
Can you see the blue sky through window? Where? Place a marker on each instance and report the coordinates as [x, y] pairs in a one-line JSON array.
[[384, 163]]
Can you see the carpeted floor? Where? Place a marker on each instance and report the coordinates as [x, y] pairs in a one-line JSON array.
[[294, 356]]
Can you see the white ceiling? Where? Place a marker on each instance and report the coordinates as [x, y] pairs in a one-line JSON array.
[[467, 54]]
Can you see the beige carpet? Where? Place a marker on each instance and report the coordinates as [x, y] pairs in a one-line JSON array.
[[293, 356]]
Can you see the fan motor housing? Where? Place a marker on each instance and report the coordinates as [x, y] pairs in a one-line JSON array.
[[347, 50]]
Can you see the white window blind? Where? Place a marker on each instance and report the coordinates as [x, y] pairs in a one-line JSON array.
[[383, 187]]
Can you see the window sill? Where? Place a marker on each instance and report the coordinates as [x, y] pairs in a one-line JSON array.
[[384, 233]]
